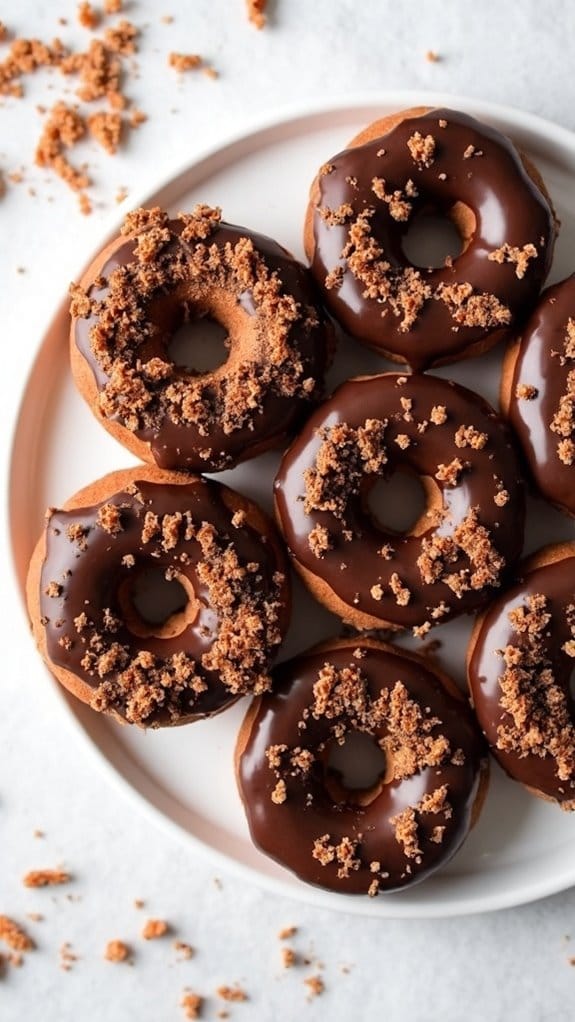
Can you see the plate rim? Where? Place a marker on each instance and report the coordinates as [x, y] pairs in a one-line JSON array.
[[257, 127]]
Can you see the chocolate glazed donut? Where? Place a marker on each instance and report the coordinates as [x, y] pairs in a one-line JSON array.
[[538, 393], [468, 536], [161, 273], [431, 768], [158, 598], [520, 661], [363, 202]]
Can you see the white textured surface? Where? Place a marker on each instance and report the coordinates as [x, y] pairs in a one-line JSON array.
[[511, 965]]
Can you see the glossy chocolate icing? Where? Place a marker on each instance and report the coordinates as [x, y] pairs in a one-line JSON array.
[[536, 366], [287, 831], [91, 573], [178, 444], [509, 209], [555, 581], [353, 566]]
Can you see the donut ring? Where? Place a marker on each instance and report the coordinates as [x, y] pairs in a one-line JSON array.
[[418, 811], [467, 537], [161, 273], [205, 644], [519, 663], [538, 393], [362, 203]]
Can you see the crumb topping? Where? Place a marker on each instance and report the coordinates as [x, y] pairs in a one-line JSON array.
[[345, 455], [525, 392], [518, 256], [142, 392], [421, 149], [563, 421], [233, 994], [407, 823], [403, 290], [538, 720], [471, 540]]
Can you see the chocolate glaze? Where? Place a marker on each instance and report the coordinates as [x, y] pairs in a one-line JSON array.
[[508, 206], [287, 832], [556, 581], [351, 568], [91, 578], [537, 367], [177, 445]]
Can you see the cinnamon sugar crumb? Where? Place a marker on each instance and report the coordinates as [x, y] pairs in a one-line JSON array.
[[192, 1005], [45, 878], [512, 254], [117, 951], [256, 12], [154, 928]]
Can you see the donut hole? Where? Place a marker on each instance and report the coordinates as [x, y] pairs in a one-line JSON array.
[[153, 605], [199, 345], [398, 502], [434, 236], [355, 769]]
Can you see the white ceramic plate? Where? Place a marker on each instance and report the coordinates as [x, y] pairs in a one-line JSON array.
[[521, 848]]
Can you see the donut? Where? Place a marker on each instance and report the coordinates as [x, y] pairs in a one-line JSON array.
[[363, 203], [426, 778], [538, 393], [520, 661], [468, 535], [157, 597], [161, 273]]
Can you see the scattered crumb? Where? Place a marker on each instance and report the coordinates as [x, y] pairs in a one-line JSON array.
[[88, 17], [14, 936], [35, 917], [185, 61], [256, 15], [287, 932], [154, 928], [432, 57], [289, 957], [67, 956], [186, 951], [139, 903], [192, 1004], [45, 878], [117, 951], [227, 993], [525, 392], [315, 985]]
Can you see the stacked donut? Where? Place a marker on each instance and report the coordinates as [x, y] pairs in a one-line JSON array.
[[160, 597]]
